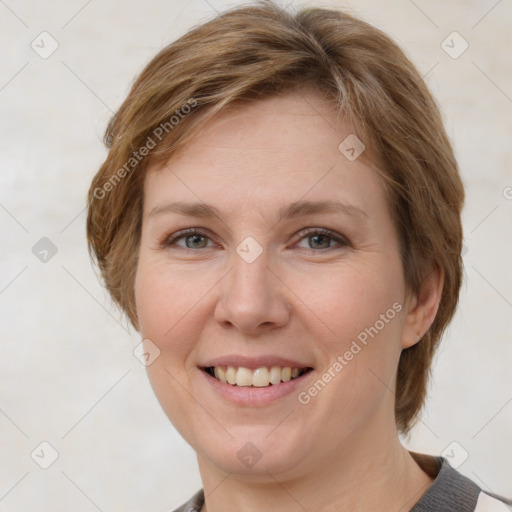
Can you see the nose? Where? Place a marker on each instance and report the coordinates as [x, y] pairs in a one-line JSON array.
[[252, 298]]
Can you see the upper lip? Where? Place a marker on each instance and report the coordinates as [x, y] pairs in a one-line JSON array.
[[254, 362]]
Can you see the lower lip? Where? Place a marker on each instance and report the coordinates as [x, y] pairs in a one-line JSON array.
[[253, 396]]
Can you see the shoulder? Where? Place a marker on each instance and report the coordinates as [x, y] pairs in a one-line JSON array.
[[451, 491], [194, 504]]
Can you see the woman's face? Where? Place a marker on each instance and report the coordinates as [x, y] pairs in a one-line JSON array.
[[290, 266]]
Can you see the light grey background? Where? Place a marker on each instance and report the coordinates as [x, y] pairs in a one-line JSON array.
[[68, 375]]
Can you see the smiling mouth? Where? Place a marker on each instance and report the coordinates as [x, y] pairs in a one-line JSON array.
[[259, 377]]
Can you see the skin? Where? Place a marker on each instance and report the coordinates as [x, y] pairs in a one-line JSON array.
[[304, 297]]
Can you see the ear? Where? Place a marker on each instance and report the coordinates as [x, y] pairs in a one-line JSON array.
[[421, 308]]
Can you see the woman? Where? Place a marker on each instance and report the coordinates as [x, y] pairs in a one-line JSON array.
[[279, 217]]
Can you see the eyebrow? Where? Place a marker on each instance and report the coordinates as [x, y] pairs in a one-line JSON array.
[[293, 210]]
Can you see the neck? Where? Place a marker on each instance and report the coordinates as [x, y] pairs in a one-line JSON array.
[[375, 473]]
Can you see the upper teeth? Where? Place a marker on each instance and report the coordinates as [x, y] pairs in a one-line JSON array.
[[260, 377]]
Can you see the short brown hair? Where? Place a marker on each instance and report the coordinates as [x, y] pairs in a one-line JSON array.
[[261, 50]]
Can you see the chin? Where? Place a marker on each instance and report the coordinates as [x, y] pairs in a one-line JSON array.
[[253, 452]]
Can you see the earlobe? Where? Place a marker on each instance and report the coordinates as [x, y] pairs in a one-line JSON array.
[[423, 308]]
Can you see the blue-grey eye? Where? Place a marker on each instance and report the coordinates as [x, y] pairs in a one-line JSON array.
[[195, 241], [319, 239]]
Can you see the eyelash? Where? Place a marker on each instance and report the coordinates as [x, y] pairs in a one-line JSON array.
[[169, 241]]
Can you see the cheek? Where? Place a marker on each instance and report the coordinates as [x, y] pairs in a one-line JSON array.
[[358, 301], [166, 298], [356, 316], [173, 306], [356, 383], [165, 307], [168, 303]]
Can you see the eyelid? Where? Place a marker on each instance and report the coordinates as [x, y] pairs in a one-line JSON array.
[[170, 240], [337, 237]]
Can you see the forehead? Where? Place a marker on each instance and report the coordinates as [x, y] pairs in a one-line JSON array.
[[265, 154]]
